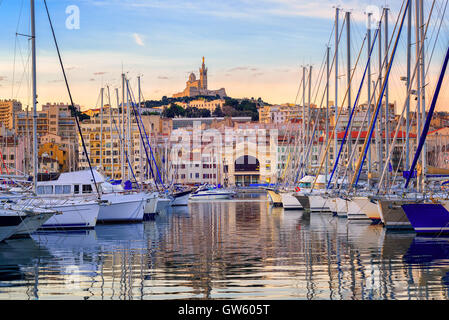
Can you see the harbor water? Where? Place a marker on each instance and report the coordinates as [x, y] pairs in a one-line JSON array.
[[237, 249]]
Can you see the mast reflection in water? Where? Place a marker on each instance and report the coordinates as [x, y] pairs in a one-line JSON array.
[[240, 249]]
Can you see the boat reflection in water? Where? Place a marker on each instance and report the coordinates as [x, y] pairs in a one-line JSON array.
[[234, 249]]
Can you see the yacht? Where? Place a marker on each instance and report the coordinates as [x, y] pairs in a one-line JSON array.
[[211, 193]]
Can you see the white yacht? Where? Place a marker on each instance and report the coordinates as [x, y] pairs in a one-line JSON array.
[[116, 205], [211, 193]]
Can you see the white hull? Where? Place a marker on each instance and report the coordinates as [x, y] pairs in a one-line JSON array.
[[202, 197], [331, 202], [342, 207], [290, 202], [32, 223], [122, 208], [181, 201], [7, 231], [162, 204], [355, 213], [318, 204], [74, 214], [369, 209]]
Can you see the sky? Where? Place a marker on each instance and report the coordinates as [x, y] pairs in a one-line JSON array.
[[253, 48]]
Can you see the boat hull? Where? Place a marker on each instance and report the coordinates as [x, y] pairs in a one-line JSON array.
[[9, 224], [289, 202], [427, 218], [318, 204], [304, 201], [342, 207], [367, 209], [73, 216], [181, 199], [122, 208], [31, 224], [392, 215]]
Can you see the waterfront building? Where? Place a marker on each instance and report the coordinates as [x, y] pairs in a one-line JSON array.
[[104, 143], [8, 109]]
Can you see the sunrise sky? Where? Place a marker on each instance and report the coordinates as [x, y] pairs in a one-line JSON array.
[[253, 48]]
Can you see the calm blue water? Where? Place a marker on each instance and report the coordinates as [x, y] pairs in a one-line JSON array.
[[227, 250]]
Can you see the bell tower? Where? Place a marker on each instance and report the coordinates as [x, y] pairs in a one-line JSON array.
[[203, 76]]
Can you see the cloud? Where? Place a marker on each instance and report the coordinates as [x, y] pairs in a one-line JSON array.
[[3, 78], [163, 78], [258, 74], [55, 81], [138, 39], [91, 79], [99, 73], [238, 69]]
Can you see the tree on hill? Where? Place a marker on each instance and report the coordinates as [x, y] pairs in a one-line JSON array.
[[218, 112]]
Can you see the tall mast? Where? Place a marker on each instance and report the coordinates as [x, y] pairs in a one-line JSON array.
[[111, 135], [327, 111], [380, 127], [368, 85], [409, 52], [118, 133], [418, 78], [387, 107], [128, 136], [122, 129], [140, 140], [34, 95], [304, 142], [309, 137], [337, 11], [423, 91], [101, 128], [348, 43]]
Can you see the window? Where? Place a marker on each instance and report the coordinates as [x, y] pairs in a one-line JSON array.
[[63, 189], [87, 188], [45, 190]]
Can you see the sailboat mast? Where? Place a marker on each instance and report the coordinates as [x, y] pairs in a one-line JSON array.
[[128, 136], [327, 111], [122, 128], [387, 107], [304, 142], [337, 11], [348, 48], [140, 144], [111, 119], [418, 78], [101, 128], [368, 85], [409, 52], [34, 95], [309, 117], [423, 91], [380, 129]]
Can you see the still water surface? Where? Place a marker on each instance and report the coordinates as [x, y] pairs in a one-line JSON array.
[[240, 249]]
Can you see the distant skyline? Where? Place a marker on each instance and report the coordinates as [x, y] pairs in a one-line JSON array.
[[253, 48]]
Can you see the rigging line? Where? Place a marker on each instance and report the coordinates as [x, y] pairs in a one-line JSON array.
[[151, 150], [429, 118], [437, 36], [409, 90], [302, 158], [73, 108], [339, 114], [349, 124], [389, 64]]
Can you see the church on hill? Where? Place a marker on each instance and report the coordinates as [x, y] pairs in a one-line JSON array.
[[198, 87]]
